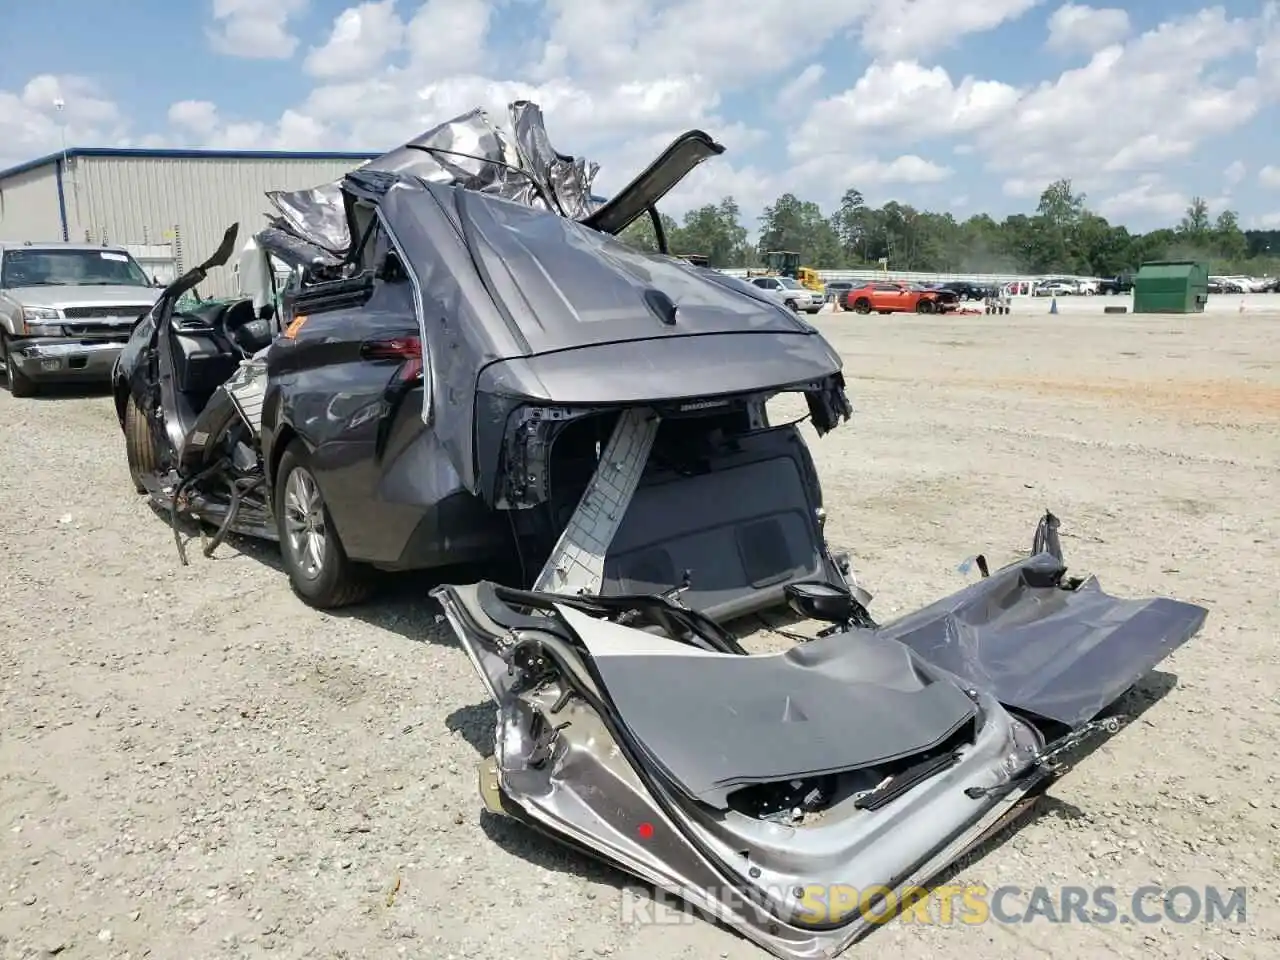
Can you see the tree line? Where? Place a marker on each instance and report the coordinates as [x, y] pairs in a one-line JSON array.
[[1062, 236]]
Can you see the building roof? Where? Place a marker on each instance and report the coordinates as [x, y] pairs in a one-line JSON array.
[[150, 154]]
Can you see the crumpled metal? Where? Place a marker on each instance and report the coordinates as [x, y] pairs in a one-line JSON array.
[[467, 151]]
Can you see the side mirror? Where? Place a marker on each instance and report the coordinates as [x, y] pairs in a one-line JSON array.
[[818, 600]]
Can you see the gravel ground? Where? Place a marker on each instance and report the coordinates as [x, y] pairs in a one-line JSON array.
[[193, 764]]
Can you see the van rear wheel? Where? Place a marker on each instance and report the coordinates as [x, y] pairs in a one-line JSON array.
[[319, 570]]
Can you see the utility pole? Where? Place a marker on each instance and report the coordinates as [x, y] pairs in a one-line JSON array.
[[58, 105]]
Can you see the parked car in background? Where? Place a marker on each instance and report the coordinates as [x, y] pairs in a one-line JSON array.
[[965, 289], [66, 310], [1055, 288], [887, 297], [1249, 284], [1225, 285], [791, 293], [1122, 283], [836, 290]]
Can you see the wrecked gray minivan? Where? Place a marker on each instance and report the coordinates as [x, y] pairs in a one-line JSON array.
[[462, 344]]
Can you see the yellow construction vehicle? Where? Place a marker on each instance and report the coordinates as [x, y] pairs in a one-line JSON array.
[[786, 263]]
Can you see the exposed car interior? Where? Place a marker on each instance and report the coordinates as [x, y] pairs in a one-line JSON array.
[[210, 340]]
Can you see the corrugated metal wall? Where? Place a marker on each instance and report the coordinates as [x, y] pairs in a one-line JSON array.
[[29, 205], [189, 202]]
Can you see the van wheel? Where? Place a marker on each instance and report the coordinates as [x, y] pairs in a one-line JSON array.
[[319, 570], [139, 445]]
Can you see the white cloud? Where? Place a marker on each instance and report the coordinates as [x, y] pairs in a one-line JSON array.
[[1158, 91], [255, 29], [1023, 189], [448, 36], [32, 125], [1268, 221], [618, 80], [1269, 176], [1268, 52], [798, 89], [867, 171], [1076, 27], [902, 29], [362, 37], [639, 39], [1168, 92], [1151, 197], [198, 116], [902, 102], [199, 124]]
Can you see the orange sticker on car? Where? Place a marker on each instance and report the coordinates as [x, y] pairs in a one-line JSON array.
[[294, 326]]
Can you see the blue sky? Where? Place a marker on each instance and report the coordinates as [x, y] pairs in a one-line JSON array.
[[946, 104]]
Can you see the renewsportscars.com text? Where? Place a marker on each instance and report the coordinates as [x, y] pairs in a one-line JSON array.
[[976, 904]]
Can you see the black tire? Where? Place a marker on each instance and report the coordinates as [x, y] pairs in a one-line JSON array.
[[924, 306], [334, 581], [20, 385], [794, 305], [139, 445], [862, 305]]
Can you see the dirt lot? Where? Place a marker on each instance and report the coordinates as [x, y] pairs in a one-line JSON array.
[[193, 764]]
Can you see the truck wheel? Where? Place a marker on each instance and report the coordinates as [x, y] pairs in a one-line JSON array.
[[139, 445], [20, 385], [862, 305], [314, 558]]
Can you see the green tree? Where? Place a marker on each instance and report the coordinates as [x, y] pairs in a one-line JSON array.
[[1062, 235], [1228, 238], [642, 236], [1195, 223], [794, 224], [850, 226], [715, 232]]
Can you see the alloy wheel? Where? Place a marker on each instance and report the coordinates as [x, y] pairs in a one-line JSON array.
[[305, 523]]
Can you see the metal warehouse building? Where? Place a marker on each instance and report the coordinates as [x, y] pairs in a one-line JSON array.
[[168, 207]]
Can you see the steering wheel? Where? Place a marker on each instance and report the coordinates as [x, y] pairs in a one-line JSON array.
[[241, 312]]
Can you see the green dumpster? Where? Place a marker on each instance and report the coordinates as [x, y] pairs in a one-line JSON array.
[[1171, 286]]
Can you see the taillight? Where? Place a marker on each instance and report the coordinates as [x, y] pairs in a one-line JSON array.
[[406, 350]]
